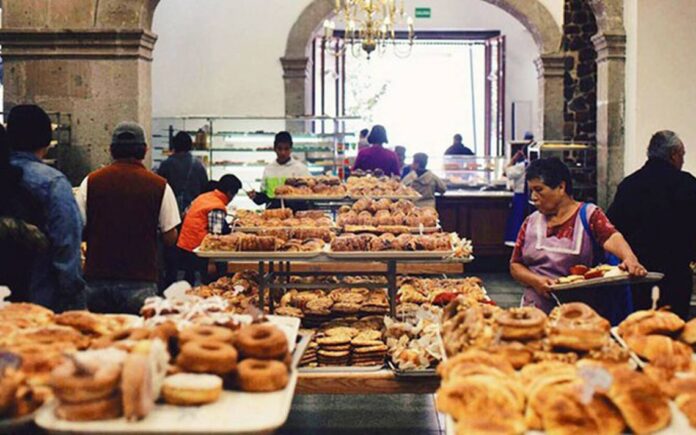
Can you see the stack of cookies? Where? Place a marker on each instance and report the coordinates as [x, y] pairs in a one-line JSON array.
[[333, 350], [377, 303], [368, 352], [309, 357]]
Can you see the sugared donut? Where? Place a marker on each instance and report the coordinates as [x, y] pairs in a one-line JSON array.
[[524, 323], [576, 326], [261, 341], [188, 389], [206, 333], [262, 375], [71, 385], [102, 409], [206, 356]]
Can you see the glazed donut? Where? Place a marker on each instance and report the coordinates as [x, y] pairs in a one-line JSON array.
[[206, 356], [71, 385], [573, 311], [524, 323], [262, 375], [580, 336], [261, 341], [188, 389], [102, 409], [136, 387], [206, 333], [122, 339]]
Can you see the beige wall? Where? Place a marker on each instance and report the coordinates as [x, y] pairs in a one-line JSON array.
[[661, 66], [222, 56]]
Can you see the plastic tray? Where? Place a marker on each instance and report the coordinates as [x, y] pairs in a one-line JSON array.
[[614, 280]]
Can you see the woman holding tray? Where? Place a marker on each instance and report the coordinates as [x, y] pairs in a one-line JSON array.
[[563, 233]]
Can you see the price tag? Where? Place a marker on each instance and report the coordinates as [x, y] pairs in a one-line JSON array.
[[421, 228], [596, 379]]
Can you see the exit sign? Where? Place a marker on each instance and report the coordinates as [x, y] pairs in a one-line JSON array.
[[423, 12]]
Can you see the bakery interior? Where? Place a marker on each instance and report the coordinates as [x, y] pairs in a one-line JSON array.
[[338, 296]]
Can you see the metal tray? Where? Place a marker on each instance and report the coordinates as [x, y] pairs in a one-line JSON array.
[[270, 255], [614, 280], [392, 197], [396, 255], [425, 373], [341, 369]]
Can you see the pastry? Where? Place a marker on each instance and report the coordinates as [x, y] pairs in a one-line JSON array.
[[187, 389]]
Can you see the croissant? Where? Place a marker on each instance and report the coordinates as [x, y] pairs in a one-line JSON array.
[[653, 347], [648, 322], [640, 400]]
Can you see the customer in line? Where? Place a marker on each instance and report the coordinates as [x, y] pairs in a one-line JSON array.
[[424, 181], [184, 173], [126, 207], [56, 280], [376, 156], [21, 217], [187, 178], [207, 215], [275, 174], [458, 148], [655, 208], [563, 233]]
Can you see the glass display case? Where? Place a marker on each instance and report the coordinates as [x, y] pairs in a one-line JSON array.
[[470, 172], [244, 145]]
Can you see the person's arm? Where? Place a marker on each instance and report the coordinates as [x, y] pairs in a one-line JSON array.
[[523, 275], [617, 245], [514, 172], [169, 217], [64, 230], [440, 185]]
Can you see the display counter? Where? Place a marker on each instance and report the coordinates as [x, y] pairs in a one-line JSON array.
[[478, 215]]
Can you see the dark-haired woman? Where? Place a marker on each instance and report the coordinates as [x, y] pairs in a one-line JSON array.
[[563, 233], [376, 156]]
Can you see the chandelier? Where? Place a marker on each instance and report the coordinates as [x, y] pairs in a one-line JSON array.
[[370, 25]]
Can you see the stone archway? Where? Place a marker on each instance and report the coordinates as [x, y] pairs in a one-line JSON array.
[[530, 13]]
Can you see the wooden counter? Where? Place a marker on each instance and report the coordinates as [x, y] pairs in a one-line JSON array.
[[378, 382], [478, 216]]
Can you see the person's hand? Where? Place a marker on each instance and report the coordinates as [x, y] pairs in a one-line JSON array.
[[633, 267], [542, 285]]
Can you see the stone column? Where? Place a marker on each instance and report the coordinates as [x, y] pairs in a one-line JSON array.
[[611, 76], [98, 76], [298, 92], [550, 69]]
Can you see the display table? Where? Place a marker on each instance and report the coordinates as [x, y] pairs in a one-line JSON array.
[[480, 216], [378, 382]]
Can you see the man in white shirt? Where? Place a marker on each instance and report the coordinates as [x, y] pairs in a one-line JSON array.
[[275, 174], [125, 207]]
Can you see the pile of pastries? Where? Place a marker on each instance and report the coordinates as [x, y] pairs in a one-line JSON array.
[[316, 307], [347, 342], [300, 234], [440, 242], [439, 291], [283, 218], [240, 291], [308, 187], [484, 394], [378, 186], [665, 343], [241, 242], [581, 272], [526, 335], [385, 215], [413, 342]]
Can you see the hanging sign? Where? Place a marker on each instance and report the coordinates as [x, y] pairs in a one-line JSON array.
[[423, 12]]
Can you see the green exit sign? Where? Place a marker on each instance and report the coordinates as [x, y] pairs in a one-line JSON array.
[[423, 12]]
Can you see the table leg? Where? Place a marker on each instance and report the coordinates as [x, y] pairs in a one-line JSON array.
[[391, 281], [262, 284], [271, 279]]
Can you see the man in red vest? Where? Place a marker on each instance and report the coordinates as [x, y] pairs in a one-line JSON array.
[[206, 215], [125, 207]]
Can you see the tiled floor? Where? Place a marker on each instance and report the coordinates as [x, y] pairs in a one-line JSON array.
[[384, 414]]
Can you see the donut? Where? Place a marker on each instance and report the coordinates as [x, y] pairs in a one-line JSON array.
[[102, 409], [188, 389], [262, 375], [136, 387], [524, 323], [71, 385], [575, 311], [261, 341], [206, 356], [122, 339], [205, 332], [576, 326]]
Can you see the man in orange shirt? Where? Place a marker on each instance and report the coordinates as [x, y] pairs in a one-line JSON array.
[[206, 215]]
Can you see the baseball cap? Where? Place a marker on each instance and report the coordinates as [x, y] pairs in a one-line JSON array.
[[128, 133]]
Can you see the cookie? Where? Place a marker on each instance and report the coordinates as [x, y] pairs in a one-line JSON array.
[[358, 343], [336, 340], [371, 349], [329, 354], [341, 331], [345, 307], [368, 334], [336, 348]]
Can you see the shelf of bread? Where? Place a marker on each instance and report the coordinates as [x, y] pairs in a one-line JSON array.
[[176, 368], [560, 373], [387, 216]]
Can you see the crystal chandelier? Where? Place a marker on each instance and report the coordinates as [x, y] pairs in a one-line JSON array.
[[370, 25]]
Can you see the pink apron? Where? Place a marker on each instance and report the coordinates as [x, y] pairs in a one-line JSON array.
[[553, 257]]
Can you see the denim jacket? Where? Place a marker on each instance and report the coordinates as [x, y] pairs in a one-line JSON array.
[[56, 281]]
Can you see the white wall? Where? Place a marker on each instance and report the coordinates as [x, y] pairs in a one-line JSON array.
[[661, 61], [222, 56]]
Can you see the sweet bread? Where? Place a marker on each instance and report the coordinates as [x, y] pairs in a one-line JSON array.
[[524, 323], [261, 341], [262, 375], [649, 322], [654, 347], [642, 404]]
